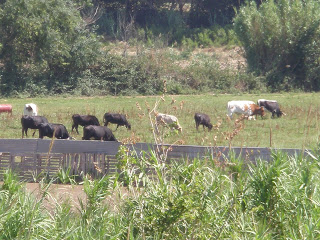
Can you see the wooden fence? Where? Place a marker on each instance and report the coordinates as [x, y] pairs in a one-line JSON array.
[[31, 157]]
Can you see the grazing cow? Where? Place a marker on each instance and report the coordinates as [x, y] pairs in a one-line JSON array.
[[83, 120], [116, 118], [98, 133], [272, 106], [47, 130], [202, 119], [248, 108], [168, 120], [30, 109], [32, 122], [6, 108]]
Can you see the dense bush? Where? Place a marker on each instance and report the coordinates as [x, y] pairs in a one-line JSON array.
[[121, 76], [146, 73], [281, 41], [207, 37], [45, 45]]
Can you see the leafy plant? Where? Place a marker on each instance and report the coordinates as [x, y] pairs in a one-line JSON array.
[[64, 176], [278, 38]]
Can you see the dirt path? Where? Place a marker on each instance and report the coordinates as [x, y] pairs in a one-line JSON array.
[[59, 193], [73, 194]]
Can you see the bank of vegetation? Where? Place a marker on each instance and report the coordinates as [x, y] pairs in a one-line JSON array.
[[198, 199], [67, 47]]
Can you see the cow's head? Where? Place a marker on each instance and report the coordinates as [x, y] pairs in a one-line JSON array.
[[45, 129], [29, 108], [210, 126], [128, 126], [279, 113], [260, 111]]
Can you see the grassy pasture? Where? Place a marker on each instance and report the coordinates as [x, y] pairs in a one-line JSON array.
[[299, 128]]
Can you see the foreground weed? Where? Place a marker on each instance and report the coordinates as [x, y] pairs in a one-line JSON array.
[[21, 214], [10, 182], [64, 176]]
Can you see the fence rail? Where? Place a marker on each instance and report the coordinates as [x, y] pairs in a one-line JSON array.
[[30, 157]]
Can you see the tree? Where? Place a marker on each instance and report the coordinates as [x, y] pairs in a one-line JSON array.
[[281, 41], [43, 42]]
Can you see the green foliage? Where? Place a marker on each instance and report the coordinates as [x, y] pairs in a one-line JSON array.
[[64, 176], [120, 76], [206, 37], [280, 39], [10, 182], [186, 199], [44, 43], [21, 215]]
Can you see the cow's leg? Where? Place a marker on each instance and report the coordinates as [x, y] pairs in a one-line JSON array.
[[34, 133], [197, 126], [75, 126], [22, 132]]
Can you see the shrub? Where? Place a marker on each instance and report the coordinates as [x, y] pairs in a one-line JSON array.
[[280, 39]]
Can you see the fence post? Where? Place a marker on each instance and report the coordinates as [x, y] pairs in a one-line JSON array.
[[12, 162], [38, 165]]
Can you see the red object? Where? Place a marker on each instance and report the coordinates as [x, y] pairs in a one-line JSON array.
[[6, 108]]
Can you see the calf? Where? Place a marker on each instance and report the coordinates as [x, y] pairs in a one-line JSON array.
[[83, 120], [48, 129], [202, 119], [272, 106], [98, 133], [248, 108], [32, 122], [116, 118], [168, 120], [6, 108], [30, 109]]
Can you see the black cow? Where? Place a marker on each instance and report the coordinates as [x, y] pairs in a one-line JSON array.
[[32, 122], [98, 133], [202, 119], [116, 118], [59, 130], [83, 120], [272, 106]]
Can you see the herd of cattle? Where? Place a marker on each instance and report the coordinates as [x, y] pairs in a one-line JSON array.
[[93, 130]]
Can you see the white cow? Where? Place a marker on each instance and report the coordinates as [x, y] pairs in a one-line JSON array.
[[247, 108], [168, 120], [30, 109]]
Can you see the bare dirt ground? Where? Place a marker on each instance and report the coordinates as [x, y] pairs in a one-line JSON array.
[[59, 193], [72, 194]]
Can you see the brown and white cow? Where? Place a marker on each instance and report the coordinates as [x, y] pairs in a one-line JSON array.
[[247, 108]]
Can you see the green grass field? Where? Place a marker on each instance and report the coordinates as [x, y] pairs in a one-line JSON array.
[[299, 128]]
